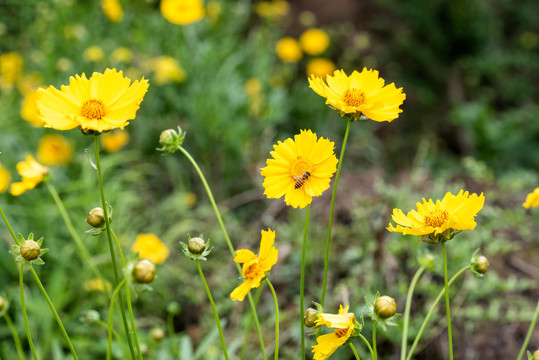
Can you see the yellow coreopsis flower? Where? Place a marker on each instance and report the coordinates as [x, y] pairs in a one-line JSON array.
[[93, 53], [360, 94], [182, 12], [167, 70], [113, 141], [103, 102], [300, 169], [314, 41], [53, 149], [11, 64], [32, 174], [122, 54], [29, 109], [5, 179], [434, 219], [344, 323], [255, 267], [150, 247], [113, 10], [320, 67], [532, 200], [288, 50]]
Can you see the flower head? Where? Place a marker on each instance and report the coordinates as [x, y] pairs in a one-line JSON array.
[[103, 102], [11, 64], [288, 50], [150, 247], [314, 41], [532, 200], [182, 12], [300, 169], [344, 324], [320, 67], [113, 10], [29, 109], [359, 94], [93, 53], [5, 179], [53, 149], [167, 70], [255, 267], [113, 141], [441, 218], [32, 174]]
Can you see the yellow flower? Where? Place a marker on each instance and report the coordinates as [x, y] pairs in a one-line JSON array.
[[121, 54], [255, 267], [113, 141], [320, 67], [182, 12], [532, 200], [288, 50], [103, 102], [167, 70], [272, 9], [343, 322], [300, 169], [113, 10], [29, 109], [5, 179], [360, 94], [253, 87], [53, 149], [314, 41], [213, 9], [29, 83], [93, 53], [151, 248], [96, 284], [11, 65], [32, 174], [440, 218]]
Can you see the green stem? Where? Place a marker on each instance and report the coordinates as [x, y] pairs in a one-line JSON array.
[[23, 306], [247, 330], [51, 305], [229, 243], [215, 314], [354, 351], [111, 247], [276, 303], [375, 353], [9, 226], [431, 310], [447, 310], [111, 311], [404, 341], [368, 344], [530, 331], [332, 208], [15, 336], [172, 335], [302, 282]]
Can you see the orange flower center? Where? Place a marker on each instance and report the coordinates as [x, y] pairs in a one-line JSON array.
[[436, 218], [300, 166], [251, 270], [341, 332], [93, 109], [354, 97]]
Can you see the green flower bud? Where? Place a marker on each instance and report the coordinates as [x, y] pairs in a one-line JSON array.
[[157, 334], [173, 308], [385, 306], [91, 317], [196, 245], [309, 317], [2, 303], [30, 250], [144, 271], [96, 217], [480, 264], [167, 136]]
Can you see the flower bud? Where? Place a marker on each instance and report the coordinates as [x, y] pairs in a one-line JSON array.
[[480, 264], [157, 334], [385, 306], [91, 317], [173, 308], [196, 245], [167, 136], [536, 355], [144, 271], [30, 250], [2, 303], [96, 217], [309, 317]]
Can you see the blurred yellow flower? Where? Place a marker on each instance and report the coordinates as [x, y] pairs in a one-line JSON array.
[[53, 149], [63, 64], [314, 41], [5, 179], [272, 9], [96, 284], [11, 64], [255, 267], [32, 173], [121, 54], [288, 50], [113, 10], [213, 10], [151, 248], [103, 102], [29, 109], [532, 200], [115, 140], [300, 169], [75, 31], [344, 325], [93, 53], [182, 12], [190, 199], [360, 94], [30, 82], [320, 67], [434, 219], [167, 70], [253, 87]]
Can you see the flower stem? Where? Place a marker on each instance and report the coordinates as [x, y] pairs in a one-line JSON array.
[[354, 351], [111, 247], [368, 344], [51, 305], [16, 339], [111, 312], [172, 336], [431, 310], [332, 208], [530, 332], [229, 243], [404, 341], [247, 330], [9, 226], [276, 319], [215, 314], [23, 306], [375, 353], [302, 282], [447, 310]]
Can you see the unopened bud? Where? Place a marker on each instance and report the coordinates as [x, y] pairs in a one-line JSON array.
[[2, 303], [96, 217], [385, 306], [309, 317], [167, 136], [173, 308], [481, 264], [536, 355], [157, 334], [30, 250], [91, 317], [144, 271], [196, 245]]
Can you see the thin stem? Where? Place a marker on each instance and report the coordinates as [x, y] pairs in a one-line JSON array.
[[15, 336], [375, 353], [302, 282], [276, 303], [354, 351], [332, 208], [404, 341], [247, 330], [111, 247], [215, 314], [431, 310], [172, 335], [529, 334], [368, 344], [23, 306], [447, 310], [111, 311], [9, 226]]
